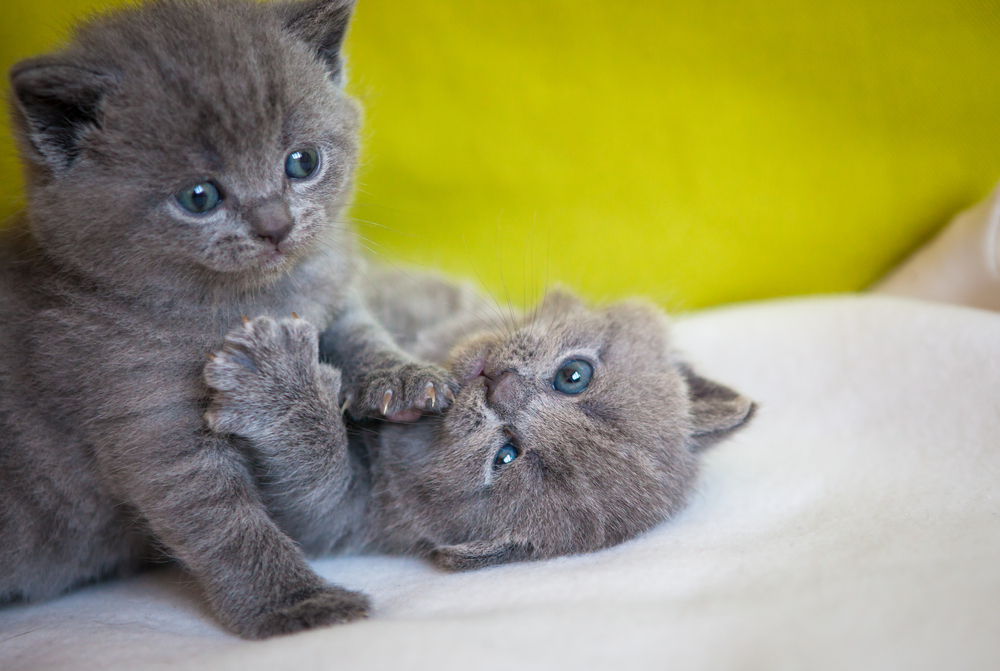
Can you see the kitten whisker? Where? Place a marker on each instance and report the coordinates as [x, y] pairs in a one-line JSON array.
[[482, 284], [372, 223], [503, 281]]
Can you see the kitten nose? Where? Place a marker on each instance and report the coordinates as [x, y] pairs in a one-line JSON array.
[[501, 387], [272, 221]]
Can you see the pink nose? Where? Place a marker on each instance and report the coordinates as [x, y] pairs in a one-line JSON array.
[[501, 387], [272, 221]]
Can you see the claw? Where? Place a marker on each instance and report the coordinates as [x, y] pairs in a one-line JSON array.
[[244, 318], [385, 402], [294, 316], [430, 394], [211, 357]]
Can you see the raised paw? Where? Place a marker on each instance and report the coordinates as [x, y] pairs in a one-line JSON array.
[[328, 606], [401, 392], [265, 370]]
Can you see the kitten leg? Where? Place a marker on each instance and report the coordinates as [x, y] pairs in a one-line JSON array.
[[202, 503], [380, 379], [425, 313], [270, 389]]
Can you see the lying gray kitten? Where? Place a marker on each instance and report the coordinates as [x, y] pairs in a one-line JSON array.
[[575, 429], [186, 163]]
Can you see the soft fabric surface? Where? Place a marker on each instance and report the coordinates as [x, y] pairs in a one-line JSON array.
[[853, 525], [696, 152], [960, 265]]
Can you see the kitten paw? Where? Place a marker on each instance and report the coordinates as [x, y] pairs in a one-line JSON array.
[[331, 605], [266, 370], [401, 393]]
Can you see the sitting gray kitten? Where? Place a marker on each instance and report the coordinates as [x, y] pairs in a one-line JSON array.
[[186, 163], [575, 429]]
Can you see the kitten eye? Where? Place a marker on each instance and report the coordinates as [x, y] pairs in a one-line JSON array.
[[506, 454], [198, 199], [301, 163], [573, 377]]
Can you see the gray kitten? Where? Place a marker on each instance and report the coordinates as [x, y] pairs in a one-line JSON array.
[[575, 428], [186, 163]]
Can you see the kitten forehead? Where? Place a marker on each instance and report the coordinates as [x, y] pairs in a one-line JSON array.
[[210, 81]]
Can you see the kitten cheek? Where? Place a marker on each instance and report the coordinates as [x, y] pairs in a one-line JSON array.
[[306, 223]]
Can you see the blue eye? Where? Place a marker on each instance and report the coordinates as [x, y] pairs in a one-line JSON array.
[[573, 377], [198, 199], [506, 454], [301, 163]]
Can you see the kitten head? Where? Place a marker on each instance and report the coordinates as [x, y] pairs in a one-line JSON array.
[[194, 141], [577, 431]]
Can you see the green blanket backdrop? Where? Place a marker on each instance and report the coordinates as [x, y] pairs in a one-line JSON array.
[[694, 152]]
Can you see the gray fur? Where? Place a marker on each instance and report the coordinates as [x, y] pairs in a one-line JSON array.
[[111, 296], [595, 469]]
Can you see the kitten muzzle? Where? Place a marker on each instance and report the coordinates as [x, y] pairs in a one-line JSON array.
[[272, 221]]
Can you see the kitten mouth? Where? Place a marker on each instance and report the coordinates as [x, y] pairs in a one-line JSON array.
[[477, 370], [272, 255]]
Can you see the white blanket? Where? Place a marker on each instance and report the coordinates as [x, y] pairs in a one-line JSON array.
[[854, 525]]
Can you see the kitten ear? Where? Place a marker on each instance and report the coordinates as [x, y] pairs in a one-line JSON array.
[[58, 103], [323, 25], [716, 409], [479, 554]]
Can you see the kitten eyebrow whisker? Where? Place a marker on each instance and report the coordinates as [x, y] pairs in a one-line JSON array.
[[488, 326], [498, 312], [492, 324], [503, 281]]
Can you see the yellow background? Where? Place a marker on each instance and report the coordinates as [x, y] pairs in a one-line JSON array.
[[695, 152]]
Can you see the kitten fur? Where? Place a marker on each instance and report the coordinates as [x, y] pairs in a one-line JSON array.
[[111, 296], [594, 469]]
